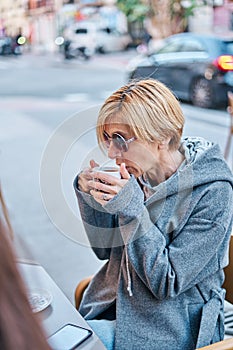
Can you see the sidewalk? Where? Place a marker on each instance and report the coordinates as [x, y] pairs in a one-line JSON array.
[[22, 143]]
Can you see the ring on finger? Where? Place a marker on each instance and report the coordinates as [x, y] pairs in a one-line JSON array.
[[104, 196]]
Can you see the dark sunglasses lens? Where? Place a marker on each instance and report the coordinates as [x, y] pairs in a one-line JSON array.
[[119, 142], [106, 139]]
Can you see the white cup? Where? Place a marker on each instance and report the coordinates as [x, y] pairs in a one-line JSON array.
[[110, 170]]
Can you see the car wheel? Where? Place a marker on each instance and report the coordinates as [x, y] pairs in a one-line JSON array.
[[201, 93]]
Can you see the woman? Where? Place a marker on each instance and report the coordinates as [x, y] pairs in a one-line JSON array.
[[164, 227], [19, 327]]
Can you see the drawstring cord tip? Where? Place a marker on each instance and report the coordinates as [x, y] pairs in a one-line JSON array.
[[129, 291]]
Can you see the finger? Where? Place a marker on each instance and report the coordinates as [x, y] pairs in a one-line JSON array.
[[99, 186], [83, 186], [83, 180], [105, 178], [124, 172], [93, 164], [85, 175], [101, 197]]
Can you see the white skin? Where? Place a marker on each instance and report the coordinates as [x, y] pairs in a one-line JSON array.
[[154, 159]]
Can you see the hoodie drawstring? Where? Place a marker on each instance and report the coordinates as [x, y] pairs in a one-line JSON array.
[[129, 283]]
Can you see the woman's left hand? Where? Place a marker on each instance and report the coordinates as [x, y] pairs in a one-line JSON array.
[[103, 192]]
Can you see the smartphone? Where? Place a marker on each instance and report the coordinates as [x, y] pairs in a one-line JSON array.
[[68, 337]]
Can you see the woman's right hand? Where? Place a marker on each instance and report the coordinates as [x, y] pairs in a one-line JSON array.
[[85, 176]]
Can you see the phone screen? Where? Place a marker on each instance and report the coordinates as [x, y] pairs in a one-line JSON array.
[[68, 337]]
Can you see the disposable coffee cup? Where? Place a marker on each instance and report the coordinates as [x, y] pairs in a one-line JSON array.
[[110, 170]]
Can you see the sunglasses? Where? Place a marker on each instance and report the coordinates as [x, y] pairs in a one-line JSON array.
[[119, 142]]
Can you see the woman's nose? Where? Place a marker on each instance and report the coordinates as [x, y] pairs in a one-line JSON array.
[[113, 152]]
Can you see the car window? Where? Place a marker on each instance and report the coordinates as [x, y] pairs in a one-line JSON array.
[[106, 30], [172, 46], [192, 45], [81, 31], [229, 47], [184, 45]]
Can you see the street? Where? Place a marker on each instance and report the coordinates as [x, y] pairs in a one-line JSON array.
[[48, 112]]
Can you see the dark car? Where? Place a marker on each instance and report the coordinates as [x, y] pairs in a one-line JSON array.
[[11, 45], [5, 45], [198, 68]]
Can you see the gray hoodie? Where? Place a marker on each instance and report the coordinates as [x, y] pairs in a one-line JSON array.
[[165, 256]]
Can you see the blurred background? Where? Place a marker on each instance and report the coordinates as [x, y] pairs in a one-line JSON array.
[[59, 60], [37, 23]]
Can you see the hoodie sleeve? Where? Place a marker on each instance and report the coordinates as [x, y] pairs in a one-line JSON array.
[[101, 226], [169, 268]]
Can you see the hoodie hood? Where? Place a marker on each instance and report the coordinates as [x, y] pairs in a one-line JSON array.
[[193, 147], [206, 160], [203, 164]]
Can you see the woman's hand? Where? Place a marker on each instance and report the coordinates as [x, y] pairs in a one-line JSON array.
[[104, 187], [85, 176]]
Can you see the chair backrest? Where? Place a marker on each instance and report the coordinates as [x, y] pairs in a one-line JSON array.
[[80, 289], [226, 344], [230, 103], [228, 283]]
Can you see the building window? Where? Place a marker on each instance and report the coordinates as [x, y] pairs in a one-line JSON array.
[[34, 4]]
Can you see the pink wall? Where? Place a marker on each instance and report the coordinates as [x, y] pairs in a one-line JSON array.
[[221, 19]]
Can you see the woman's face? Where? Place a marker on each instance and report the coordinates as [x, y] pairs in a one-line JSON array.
[[140, 156]]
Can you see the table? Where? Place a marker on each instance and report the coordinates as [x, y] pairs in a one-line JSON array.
[[60, 311]]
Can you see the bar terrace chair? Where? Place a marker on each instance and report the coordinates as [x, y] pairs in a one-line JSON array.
[[227, 343]]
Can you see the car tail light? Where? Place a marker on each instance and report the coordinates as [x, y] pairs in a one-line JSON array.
[[224, 62]]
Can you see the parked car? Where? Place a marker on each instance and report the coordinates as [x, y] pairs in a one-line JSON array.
[[74, 50], [11, 45], [80, 41], [111, 40], [5, 45], [97, 38], [198, 68]]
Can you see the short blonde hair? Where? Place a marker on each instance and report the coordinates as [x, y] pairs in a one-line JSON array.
[[149, 108]]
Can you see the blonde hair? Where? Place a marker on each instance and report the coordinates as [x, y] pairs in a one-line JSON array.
[[149, 108]]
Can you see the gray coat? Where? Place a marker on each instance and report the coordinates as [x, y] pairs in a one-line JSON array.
[[165, 256]]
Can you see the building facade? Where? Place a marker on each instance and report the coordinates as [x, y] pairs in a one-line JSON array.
[[223, 17], [41, 17], [12, 16], [216, 17]]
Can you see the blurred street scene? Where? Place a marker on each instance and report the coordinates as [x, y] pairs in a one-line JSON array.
[[44, 25]]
